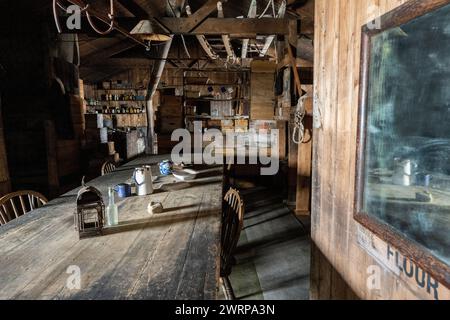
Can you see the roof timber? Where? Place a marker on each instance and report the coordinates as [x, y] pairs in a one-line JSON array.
[[234, 27]]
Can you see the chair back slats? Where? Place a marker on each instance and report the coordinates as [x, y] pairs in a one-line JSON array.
[[3, 216], [15, 205], [108, 167], [232, 223]]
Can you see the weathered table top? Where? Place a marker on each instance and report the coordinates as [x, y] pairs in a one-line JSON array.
[[173, 255]]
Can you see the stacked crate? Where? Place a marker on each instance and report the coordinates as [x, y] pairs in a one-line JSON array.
[[170, 114], [96, 132]]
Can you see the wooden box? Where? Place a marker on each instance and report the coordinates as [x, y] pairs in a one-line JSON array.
[[168, 125], [122, 120], [129, 145], [94, 121], [171, 106], [97, 135], [262, 91], [214, 123]]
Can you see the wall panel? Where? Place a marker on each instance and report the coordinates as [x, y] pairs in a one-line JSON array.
[[336, 90], [5, 186]]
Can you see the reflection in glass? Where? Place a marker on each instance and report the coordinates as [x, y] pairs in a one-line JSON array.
[[407, 177]]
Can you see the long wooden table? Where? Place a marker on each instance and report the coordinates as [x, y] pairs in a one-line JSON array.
[[173, 255]]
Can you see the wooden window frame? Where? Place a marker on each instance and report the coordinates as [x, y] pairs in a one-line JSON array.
[[409, 248]]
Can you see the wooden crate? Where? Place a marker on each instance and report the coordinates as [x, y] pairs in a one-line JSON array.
[[122, 120], [156, 99], [130, 144], [170, 124], [170, 114], [262, 106], [142, 120], [227, 125], [241, 123], [97, 135], [214, 123], [94, 121], [171, 106], [77, 114]]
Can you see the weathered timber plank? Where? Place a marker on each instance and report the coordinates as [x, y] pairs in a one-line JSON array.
[[163, 256]]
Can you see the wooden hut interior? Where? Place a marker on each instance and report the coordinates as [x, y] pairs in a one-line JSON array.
[[225, 150]]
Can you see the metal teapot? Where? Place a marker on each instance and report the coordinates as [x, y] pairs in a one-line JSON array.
[[142, 177]]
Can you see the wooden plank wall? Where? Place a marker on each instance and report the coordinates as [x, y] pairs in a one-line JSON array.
[[5, 184], [262, 90], [337, 63]]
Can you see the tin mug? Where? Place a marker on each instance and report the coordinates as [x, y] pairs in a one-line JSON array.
[[123, 190]]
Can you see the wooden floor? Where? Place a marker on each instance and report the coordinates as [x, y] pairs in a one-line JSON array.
[[273, 255]]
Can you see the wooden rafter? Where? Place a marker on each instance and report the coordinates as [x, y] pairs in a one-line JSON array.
[[203, 41], [236, 28], [134, 8], [102, 55], [270, 39], [251, 14], [226, 37]]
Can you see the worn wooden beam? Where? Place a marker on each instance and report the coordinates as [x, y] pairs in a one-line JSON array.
[[126, 23], [251, 14], [136, 63], [200, 15], [100, 16], [234, 27], [100, 56], [226, 38], [134, 8], [270, 39], [203, 41]]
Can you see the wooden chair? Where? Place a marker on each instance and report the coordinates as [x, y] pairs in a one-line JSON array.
[[18, 203], [232, 223], [108, 167]]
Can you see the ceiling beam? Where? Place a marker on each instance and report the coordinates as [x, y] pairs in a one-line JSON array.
[[203, 41], [199, 16], [101, 55], [106, 19], [134, 63], [226, 37], [236, 28], [134, 8]]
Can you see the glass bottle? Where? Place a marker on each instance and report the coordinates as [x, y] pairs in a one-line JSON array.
[[112, 212]]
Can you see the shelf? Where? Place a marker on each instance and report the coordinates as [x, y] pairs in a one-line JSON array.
[[122, 101], [218, 118], [215, 100], [242, 70], [129, 89], [116, 114], [213, 84]]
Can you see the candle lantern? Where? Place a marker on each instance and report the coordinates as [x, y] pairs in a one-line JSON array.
[[90, 212]]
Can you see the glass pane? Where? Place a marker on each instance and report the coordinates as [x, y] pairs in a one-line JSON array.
[[407, 169]]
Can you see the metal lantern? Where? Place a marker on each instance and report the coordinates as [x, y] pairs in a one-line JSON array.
[[90, 212]]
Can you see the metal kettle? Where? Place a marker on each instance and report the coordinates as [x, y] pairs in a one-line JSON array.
[[405, 171], [142, 177]]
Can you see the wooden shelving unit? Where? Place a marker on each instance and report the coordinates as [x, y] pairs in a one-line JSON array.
[[98, 101], [200, 81]]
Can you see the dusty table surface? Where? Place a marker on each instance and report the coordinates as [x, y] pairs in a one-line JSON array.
[[173, 255]]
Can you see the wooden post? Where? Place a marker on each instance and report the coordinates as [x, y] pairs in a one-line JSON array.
[[304, 170], [52, 159], [5, 183], [304, 151]]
